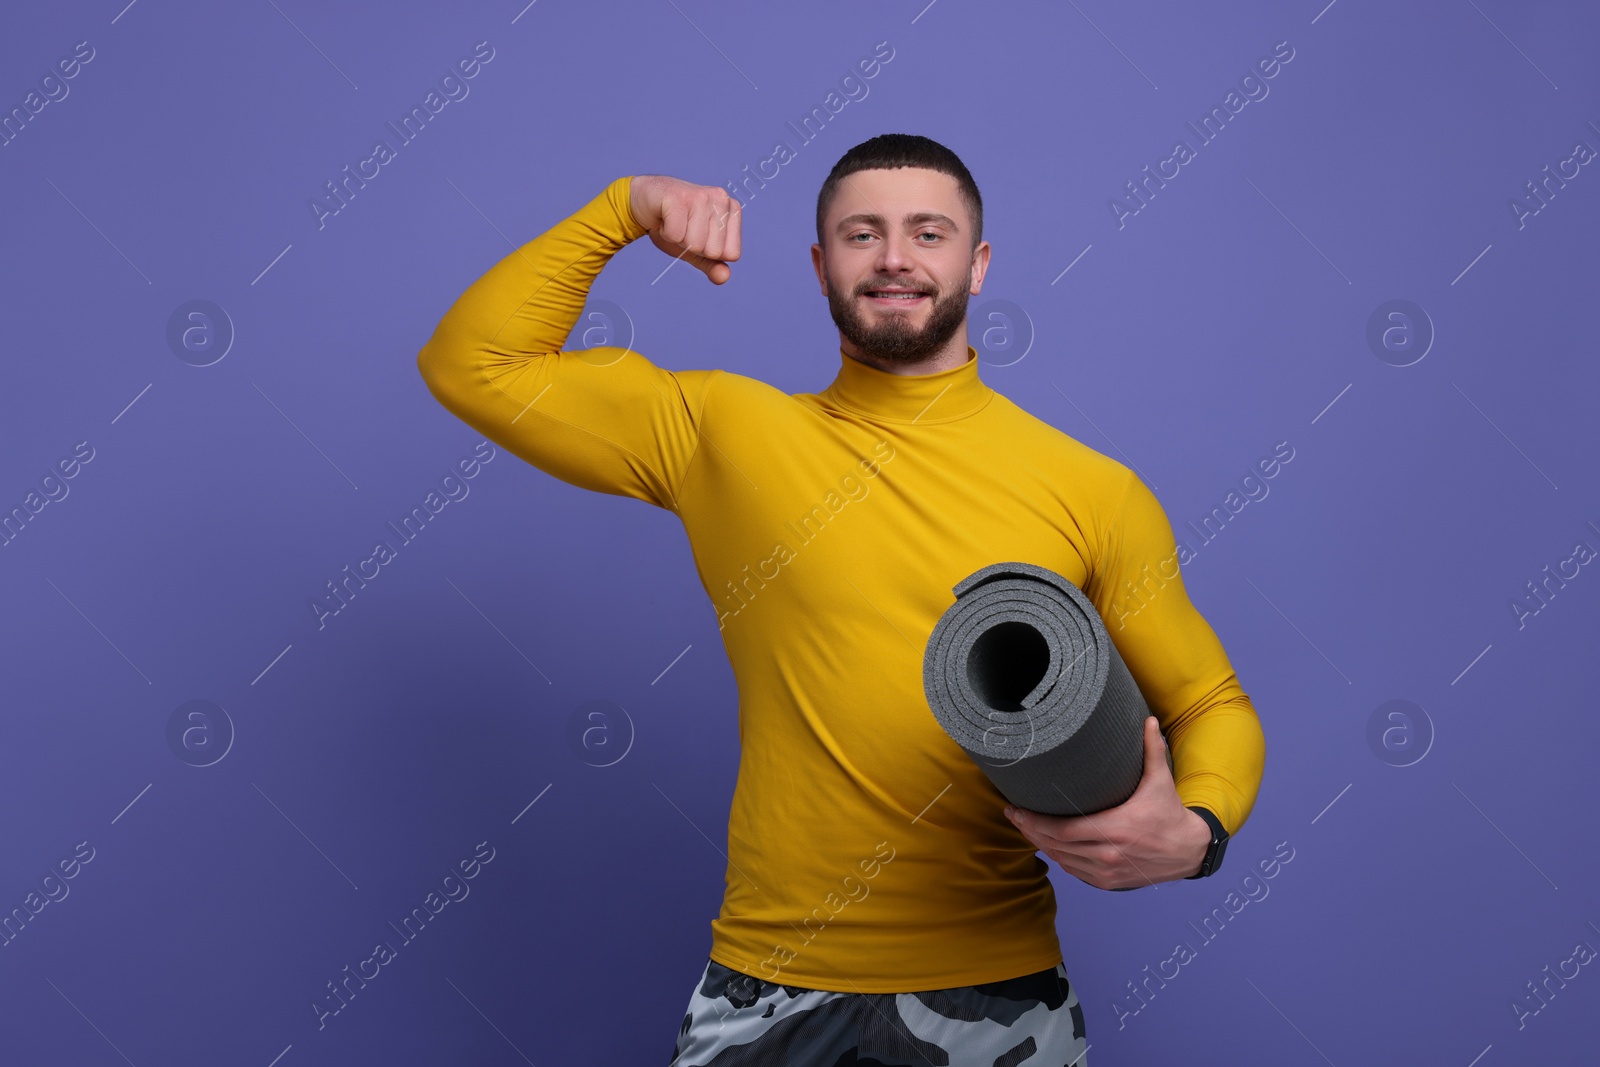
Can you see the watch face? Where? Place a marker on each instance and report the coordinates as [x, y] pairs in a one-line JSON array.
[[1217, 849], [1219, 842]]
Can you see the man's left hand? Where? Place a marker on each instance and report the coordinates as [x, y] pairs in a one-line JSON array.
[[1150, 837]]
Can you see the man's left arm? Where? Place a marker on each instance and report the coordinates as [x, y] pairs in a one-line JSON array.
[[1215, 738]]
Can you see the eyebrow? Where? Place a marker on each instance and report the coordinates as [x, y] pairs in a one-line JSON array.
[[915, 218]]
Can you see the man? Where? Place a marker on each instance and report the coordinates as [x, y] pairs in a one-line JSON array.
[[879, 902]]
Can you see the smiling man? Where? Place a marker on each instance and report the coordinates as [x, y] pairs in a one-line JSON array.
[[880, 903], [901, 306]]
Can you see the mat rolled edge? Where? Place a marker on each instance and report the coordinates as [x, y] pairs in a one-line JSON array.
[[1100, 764]]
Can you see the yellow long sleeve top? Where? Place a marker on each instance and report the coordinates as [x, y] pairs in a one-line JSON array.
[[867, 851]]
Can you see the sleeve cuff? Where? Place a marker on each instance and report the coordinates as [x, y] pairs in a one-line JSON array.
[[620, 192]]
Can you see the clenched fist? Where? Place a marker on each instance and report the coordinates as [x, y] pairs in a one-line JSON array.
[[696, 223]]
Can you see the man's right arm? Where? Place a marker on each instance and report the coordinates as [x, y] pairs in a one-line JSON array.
[[603, 418]]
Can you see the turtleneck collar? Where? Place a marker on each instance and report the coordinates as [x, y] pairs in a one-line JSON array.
[[922, 398]]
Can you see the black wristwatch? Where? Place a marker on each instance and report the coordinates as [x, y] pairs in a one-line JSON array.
[[1219, 842]]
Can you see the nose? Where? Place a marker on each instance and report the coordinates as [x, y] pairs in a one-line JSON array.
[[897, 254]]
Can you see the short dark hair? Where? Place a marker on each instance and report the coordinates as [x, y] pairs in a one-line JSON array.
[[891, 150]]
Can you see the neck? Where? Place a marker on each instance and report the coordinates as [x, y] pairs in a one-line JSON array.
[[907, 397]]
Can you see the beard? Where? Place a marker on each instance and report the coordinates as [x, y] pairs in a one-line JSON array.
[[892, 337]]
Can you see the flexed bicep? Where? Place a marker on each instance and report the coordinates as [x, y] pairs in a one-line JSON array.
[[605, 418]]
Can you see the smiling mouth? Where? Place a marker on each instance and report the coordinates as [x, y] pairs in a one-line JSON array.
[[891, 297]]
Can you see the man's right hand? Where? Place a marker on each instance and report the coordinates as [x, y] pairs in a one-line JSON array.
[[696, 223]]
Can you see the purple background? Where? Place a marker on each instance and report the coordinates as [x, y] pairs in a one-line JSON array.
[[369, 756]]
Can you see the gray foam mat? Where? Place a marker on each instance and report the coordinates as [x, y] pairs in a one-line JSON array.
[[1021, 673]]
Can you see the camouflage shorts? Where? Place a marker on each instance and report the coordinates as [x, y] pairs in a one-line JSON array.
[[735, 1020]]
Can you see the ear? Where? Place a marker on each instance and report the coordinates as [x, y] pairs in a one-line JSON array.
[[980, 266]]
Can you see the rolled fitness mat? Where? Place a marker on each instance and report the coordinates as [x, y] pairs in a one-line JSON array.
[[1021, 673]]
